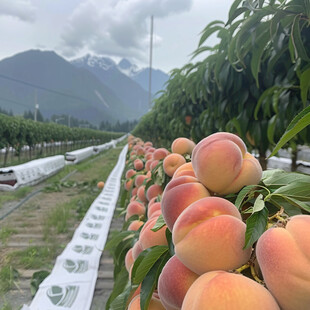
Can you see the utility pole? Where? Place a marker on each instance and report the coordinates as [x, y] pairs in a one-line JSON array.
[[150, 72], [35, 105], [69, 120]]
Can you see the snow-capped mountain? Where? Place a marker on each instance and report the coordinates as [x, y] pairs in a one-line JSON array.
[[124, 67]]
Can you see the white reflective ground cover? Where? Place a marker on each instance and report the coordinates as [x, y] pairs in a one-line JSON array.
[[31, 172], [72, 281]]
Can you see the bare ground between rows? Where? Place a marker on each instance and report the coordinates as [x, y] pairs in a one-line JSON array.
[[27, 224]]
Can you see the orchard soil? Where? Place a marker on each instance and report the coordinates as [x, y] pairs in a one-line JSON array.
[[33, 235]]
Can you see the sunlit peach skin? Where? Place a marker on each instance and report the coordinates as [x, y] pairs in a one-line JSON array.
[[220, 290], [174, 282], [182, 146], [178, 195], [283, 255], [212, 229], [222, 164]]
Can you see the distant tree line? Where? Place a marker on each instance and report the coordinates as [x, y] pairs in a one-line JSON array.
[[118, 127], [3, 111], [70, 121]]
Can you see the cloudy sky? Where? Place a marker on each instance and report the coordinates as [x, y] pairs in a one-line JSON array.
[[115, 28]]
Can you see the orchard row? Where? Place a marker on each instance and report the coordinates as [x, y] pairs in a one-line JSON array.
[[206, 228]]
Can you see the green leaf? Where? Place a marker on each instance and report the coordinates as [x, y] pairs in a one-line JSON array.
[[264, 96], [121, 282], [120, 236], [120, 302], [300, 121], [160, 223], [305, 85], [209, 30], [275, 178], [298, 190], [258, 50], [300, 204], [259, 203], [150, 281], [233, 11], [289, 209], [234, 14], [147, 263], [271, 128], [299, 48], [255, 226], [36, 280], [242, 195], [170, 242]]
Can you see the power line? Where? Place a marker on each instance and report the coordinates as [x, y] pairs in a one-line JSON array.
[[43, 88]]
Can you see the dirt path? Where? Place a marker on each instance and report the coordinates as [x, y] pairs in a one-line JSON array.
[[33, 235]]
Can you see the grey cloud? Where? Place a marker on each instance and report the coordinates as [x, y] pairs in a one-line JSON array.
[[116, 27], [21, 9]]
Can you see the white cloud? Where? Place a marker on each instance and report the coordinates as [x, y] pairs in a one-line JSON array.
[[21, 9], [116, 27]]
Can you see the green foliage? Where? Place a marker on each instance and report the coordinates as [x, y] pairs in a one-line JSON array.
[[18, 132], [299, 122], [252, 82], [8, 278], [36, 279], [33, 257], [279, 192]]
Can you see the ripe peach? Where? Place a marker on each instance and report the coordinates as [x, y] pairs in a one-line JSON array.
[[140, 179], [223, 165], [148, 164], [182, 146], [140, 150], [212, 229], [160, 153], [151, 201], [149, 238], [138, 164], [219, 290], [156, 214], [154, 207], [128, 184], [153, 191], [172, 162], [136, 250], [154, 304], [135, 225], [141, 194], [133, 208], [130, 173], [148, 143], [129, 259], [134, 191], [185, 169], [153, 164], [174, 282], [283, 255], [178, 195], [148, 156], [100, 184]]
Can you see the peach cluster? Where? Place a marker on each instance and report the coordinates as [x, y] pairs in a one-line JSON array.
[[208, 232], [144, 202]]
